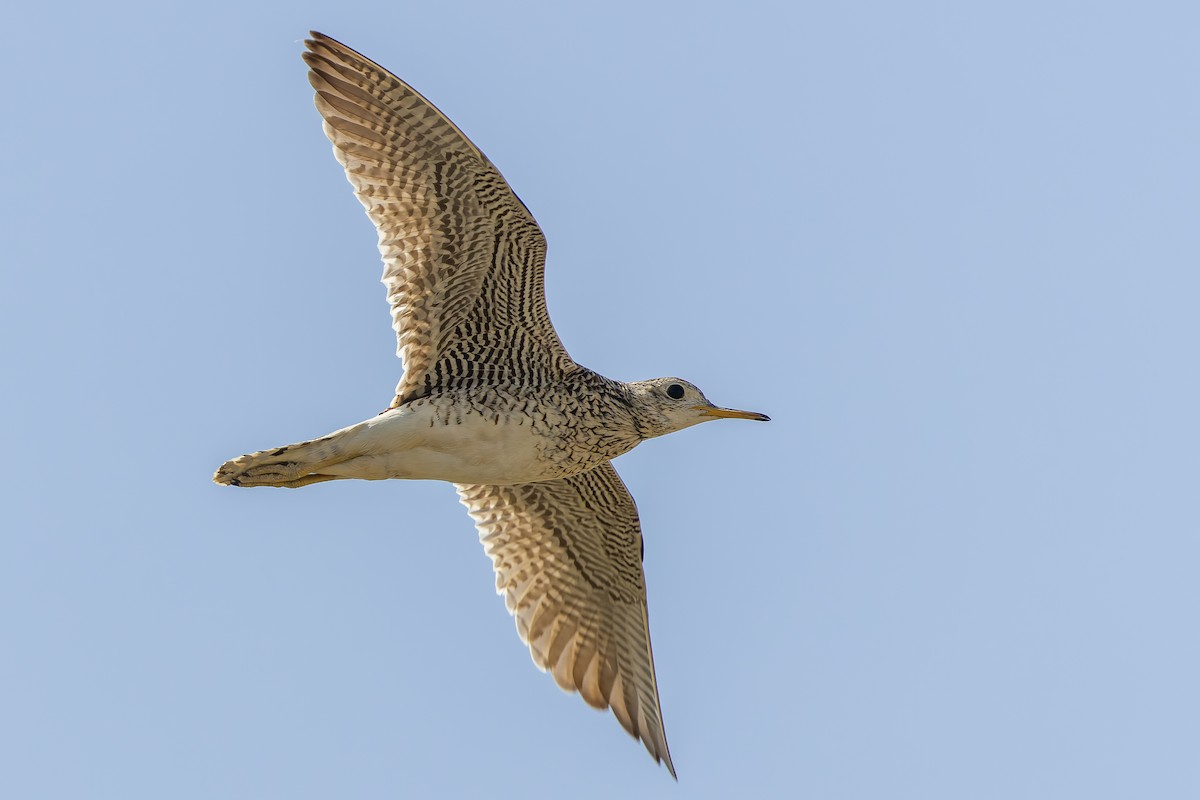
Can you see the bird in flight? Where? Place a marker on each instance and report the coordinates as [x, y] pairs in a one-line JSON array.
[[489, 399]]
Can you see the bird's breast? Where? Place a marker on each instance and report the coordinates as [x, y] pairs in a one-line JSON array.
[[493, 438]]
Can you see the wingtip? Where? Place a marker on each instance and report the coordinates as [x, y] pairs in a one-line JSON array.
[[664, 758], [317, 40]]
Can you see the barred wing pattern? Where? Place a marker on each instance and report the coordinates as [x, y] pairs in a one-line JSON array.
[[463, 258], [568, 560]]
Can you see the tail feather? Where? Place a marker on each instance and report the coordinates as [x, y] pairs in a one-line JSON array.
[[290, 466]]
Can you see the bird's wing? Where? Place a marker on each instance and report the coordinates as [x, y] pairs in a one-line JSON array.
[[568, 560], [463, 257]]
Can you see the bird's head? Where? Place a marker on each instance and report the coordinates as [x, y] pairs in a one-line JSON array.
[[666, 405]]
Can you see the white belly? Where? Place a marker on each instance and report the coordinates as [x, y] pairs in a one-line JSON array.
[[413, 442]]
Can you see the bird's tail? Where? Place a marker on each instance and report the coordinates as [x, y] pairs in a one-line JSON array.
[[290, 466]]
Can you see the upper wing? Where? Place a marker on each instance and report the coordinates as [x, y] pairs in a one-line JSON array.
[[568, 560], [463, 258]]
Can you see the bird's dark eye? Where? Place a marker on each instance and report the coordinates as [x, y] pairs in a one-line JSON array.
[[675, 391]]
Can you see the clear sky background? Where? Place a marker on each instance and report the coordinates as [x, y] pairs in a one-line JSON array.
[[951, 248]]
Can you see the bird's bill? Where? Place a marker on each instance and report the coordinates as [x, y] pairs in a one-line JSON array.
[[730, 413]]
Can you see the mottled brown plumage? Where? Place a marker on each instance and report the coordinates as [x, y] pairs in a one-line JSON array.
[[463, 258], [489, 399]]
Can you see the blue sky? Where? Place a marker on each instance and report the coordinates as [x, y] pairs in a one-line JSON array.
[[952, 249]]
